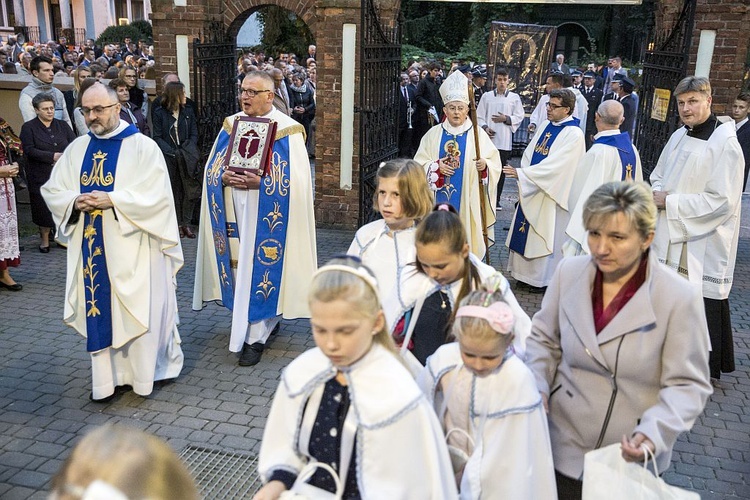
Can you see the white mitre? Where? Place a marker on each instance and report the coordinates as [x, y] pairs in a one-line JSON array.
[[455, 88]]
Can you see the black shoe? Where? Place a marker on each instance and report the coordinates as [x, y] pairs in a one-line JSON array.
[[276, 328], [15, 287], [44, 249], [251, 354], [103, 400]]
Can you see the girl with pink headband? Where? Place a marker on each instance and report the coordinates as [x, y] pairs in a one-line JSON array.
[[488, 403]]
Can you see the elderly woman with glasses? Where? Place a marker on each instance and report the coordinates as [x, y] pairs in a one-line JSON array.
[[619, 348], [44, 139]]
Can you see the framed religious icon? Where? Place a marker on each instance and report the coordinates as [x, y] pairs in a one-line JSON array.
[[250, 145]]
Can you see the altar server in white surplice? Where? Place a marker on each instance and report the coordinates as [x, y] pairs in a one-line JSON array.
[[111, 201], [500, 113], [697, 185], [256, 247], [547, 168], [612, 157], [448, 154]]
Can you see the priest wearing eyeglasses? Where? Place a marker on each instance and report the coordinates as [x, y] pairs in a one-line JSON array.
[[256, 247], [548, 166], [111, 200]]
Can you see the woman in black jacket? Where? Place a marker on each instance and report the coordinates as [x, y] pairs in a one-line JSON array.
[[44, 139], [176, 133], [302, 101]]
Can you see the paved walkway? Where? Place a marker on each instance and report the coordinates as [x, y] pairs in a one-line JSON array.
[[45, 380]]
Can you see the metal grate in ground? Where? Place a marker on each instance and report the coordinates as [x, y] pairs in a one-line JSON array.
[[221, 474]]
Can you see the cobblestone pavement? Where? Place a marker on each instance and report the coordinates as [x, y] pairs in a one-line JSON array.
[[45, 379]]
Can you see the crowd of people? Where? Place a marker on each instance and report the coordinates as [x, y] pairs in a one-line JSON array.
[[66, 57], [425, 364]]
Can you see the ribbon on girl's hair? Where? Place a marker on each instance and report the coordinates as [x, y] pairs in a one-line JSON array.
[[498, 314]]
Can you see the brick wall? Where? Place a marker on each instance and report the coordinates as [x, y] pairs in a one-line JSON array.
[[730, 19]]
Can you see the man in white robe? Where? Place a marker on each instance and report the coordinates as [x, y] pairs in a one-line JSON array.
[[538, 229], [240, 204], [449, 147], [697, 185], [554, 82], [612, 157], [118, 221], [500, 113]]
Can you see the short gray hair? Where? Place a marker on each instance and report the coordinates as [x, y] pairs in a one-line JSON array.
[[633, 199], [699, 84], [38, 99]]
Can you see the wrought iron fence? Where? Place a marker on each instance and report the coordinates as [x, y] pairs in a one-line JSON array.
[[663, 68], [380, 63], [214, 83]]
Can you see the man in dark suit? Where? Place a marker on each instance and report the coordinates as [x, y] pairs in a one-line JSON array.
[[625, 96], [593, 96], [559, 65], [615, 86], [405, 112], [740, 109]]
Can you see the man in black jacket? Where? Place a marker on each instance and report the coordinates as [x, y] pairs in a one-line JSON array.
[[429, 110], [739, 114], [593, 96]]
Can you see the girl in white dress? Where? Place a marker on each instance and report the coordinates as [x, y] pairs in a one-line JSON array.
[[351, 404], [421, 315], [386, 246], [491, 410]]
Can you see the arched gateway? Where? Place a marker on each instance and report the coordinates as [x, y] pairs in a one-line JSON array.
[[343, 185]]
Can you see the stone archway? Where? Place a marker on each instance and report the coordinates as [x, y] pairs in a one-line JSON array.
[[178, 22]]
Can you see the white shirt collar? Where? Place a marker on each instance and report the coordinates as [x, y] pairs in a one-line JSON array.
[[739, 125], [456, 130]]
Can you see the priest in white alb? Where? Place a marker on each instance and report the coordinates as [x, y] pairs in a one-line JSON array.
[[256, 246], [537, 231], [112, 204], [697, 185], [612, 157], [448, 153]]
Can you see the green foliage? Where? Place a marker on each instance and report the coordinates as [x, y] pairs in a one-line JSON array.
[[116, 34], [283, 31], [145, 28]]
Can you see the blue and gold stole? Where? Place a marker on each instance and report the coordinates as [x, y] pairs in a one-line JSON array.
[[624, 147], [541, 150], [270, 234], [98, 174], [220, 229], [452, 151], [271, 227]]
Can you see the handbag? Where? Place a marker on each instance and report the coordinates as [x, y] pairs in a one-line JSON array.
[[607, 475], [302, 490], [19, 181], [186, 164]]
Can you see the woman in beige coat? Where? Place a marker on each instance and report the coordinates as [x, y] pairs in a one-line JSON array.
[[619, 348]]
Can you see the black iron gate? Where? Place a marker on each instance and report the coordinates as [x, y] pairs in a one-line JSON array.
[[664, 66], [380, 64], [214, 83]]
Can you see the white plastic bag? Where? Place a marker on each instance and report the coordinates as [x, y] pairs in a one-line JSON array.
[[607, 475], [301, 490]]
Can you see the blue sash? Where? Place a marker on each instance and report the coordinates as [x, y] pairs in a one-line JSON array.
[[219, 228], [624, 147], [454, 149], [520, 229], [270, 235], [98, 174]]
